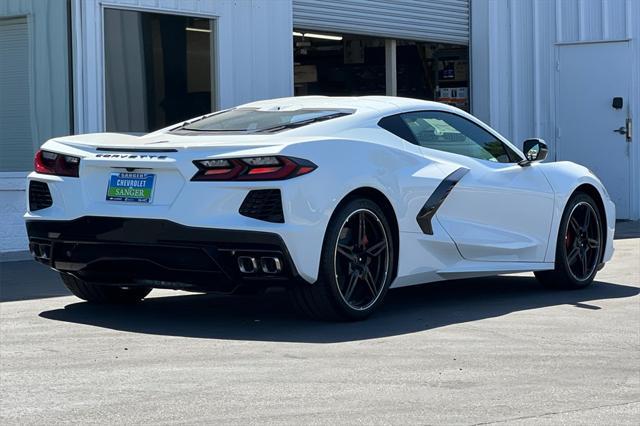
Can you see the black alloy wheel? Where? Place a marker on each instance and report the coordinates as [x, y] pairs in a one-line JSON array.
[[580, 245], [361, 259], [582, 241], [357, 265]]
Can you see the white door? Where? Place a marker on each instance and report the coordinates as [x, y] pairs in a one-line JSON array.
[[497, 210], [591, 131]]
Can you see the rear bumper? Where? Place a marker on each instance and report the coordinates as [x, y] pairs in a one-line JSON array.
[[157, 253]]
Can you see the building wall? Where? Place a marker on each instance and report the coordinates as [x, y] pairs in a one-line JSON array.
[[513, 54], [48, 103], [253, 60], [253, 50]]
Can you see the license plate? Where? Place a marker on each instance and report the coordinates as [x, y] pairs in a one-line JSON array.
[[131, 187]]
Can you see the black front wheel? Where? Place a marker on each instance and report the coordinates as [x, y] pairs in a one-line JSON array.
[[579, 247], [356, 265]]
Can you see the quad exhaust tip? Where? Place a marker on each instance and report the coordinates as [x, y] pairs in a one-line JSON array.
[[270, 265], [247, 264], [266, 264]]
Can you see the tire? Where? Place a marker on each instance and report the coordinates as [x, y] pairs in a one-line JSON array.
[[579, 246], [355, 272], [96, 293]]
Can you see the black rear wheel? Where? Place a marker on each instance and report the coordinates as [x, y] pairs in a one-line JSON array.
[[355, 268], [97, 293], [579, 247]]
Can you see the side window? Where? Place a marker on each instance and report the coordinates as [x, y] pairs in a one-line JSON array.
[[451, 133]]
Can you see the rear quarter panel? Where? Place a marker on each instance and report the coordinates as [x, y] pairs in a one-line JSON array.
[[404, 177]]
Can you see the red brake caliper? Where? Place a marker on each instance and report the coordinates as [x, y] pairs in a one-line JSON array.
[[568, 239]]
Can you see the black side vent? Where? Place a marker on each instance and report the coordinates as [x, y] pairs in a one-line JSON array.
[[436, 199], [39, 196], [263, 204]]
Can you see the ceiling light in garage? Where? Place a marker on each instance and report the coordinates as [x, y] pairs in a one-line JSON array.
[[313, 35], [199, 30]]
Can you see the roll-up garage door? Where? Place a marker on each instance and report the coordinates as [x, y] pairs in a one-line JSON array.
[[16, 145], [424, 20]]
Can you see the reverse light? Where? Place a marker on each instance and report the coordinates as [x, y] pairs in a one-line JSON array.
[[252, 168], [51, 163]]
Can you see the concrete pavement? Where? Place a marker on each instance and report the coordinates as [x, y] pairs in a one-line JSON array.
[[467, 352]]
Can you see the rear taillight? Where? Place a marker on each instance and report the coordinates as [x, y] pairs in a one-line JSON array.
[[51, 163], [252, 168]]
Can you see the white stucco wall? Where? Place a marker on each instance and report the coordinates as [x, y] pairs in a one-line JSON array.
[[12, 207]]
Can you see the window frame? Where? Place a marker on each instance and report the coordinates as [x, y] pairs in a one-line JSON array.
[[513, 154], [93, 60], [101, 58]]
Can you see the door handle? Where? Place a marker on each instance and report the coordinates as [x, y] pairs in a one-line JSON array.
[[625, 130]]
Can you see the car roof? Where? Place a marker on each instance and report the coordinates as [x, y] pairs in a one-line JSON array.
[[356, 104], [362, 108]]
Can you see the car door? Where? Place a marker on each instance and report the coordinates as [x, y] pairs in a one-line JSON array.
[[498, 210]]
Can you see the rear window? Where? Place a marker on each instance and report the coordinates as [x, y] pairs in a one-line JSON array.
[[243, 120]]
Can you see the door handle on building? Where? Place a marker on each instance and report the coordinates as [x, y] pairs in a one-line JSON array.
[[625, 130]]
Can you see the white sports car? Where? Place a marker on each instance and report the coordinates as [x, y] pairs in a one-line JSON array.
[[337, 199]]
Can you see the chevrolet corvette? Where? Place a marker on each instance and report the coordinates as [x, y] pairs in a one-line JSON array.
[[335, 199]]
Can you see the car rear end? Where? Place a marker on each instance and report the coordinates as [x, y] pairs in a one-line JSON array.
[[165, 214]]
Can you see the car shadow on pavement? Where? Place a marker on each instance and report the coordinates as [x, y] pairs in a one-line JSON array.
[[270, 317], [27, 279]]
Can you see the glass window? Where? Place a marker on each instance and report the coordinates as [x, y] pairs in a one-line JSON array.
[[157, 69], [255, 120], [451, 133]]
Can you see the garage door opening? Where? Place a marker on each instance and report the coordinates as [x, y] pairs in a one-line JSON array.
[[353, 65], [338, 65], [433, 71]]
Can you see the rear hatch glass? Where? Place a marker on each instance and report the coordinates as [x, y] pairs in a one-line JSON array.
[[250, 120]]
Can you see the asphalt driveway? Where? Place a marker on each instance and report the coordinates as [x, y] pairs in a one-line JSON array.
[[467, 352]]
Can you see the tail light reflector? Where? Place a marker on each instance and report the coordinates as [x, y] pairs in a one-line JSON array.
[[51, 163], [252, 168]]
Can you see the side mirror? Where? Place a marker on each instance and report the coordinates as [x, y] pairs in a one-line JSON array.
[[534, 150]]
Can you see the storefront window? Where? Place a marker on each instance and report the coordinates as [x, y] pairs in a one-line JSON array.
[[157, 69]]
